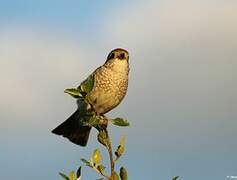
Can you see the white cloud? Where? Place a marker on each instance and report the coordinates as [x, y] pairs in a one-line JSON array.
[[35, 68], [183, 64], [172, 23]]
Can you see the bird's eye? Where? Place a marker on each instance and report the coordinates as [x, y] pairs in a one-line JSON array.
[[122, 56], [110, 56]]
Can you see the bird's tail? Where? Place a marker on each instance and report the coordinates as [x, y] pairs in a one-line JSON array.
[[73, 129]]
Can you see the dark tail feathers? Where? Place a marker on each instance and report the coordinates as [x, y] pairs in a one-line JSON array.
[[73, 130]]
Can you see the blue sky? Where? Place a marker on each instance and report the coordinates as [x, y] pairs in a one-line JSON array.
[[181, 101], [75, 17]]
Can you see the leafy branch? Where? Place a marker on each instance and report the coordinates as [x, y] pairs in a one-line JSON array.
[[100, 122], [104, 139], [95, 161]]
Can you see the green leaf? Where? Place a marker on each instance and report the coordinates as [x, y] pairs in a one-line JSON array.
[[120, 149], [87, 163], [79, 173], [175, 178], [64, 176], [120, 122], [96, 157], [72, 175], [101, 168], [73, 92], [103, 137], [98, 122], [114, 176], [87, 85], [123, 174], [94, 121]]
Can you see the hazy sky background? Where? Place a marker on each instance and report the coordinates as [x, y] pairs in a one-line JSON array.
[[181, 101]]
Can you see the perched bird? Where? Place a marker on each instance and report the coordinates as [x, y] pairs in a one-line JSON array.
[[110, 82]]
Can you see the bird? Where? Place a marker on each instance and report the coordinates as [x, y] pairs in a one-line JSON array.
[[110, 84]]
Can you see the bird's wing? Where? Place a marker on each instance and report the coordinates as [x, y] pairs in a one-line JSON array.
[[84, 88], [87, 85]]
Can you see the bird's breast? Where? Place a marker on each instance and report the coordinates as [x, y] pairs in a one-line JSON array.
[[109, 90]]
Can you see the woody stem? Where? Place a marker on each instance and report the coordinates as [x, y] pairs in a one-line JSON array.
[[110, 151]]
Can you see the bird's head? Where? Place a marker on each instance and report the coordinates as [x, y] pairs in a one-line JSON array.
[[118, 54], [118, 60]]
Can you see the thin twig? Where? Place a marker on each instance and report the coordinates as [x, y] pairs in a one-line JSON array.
[[110, 151], [94, 168]]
